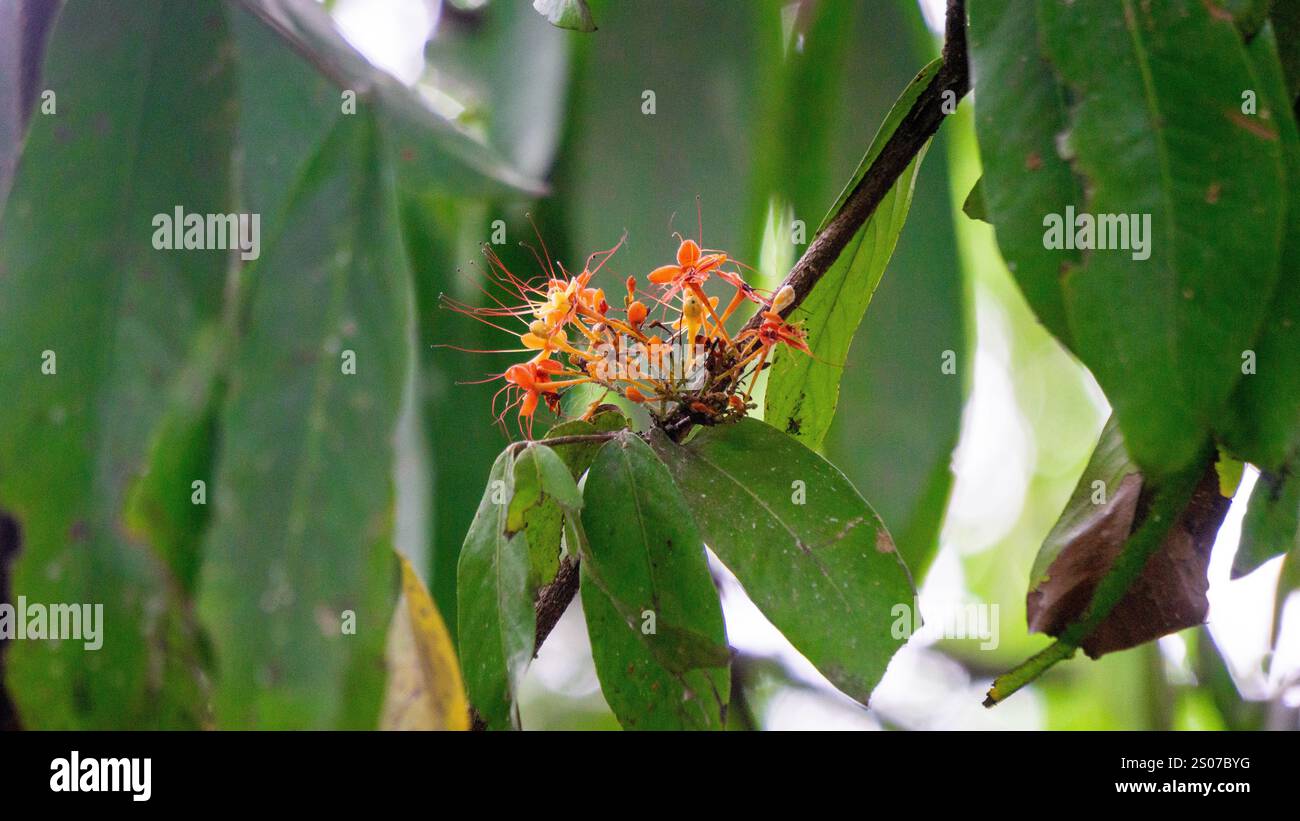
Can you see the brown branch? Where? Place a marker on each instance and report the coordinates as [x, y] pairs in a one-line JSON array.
[[554, 599]]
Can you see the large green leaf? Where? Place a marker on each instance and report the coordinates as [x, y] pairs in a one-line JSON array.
[[1020, 111], [144, 122], [802, 390], [1156, 129], [808, 550], [652, 611], [1263, 419], [300, 543], [495, 611]]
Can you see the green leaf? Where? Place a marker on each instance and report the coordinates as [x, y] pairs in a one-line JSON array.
[[1157, 130], [145, 104], [495, 615], [1272, 523], [543, 491], [579, 455], [167, 505], [300, 542], [1262, 423], [808, 550], [566, 14], [653, 614], [1020, 114], [802, 390], [1288, 583]]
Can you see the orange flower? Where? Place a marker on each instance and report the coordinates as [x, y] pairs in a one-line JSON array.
[[693, 268]]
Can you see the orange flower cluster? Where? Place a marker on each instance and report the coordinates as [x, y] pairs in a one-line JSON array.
[[659, 349]]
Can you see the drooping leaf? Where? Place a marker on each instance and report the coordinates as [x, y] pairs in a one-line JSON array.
[[652, 611], [144, 122], [1157, 130], [495, 617], [801, 123], [802, 390], [566, 14], [808, 550], [425, 689], [1108, 506], [1262, 423], [461, 445], [1272, 523], [300, 543], [1021, 121]]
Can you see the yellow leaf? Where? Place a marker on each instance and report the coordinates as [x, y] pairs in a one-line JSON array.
[[425, 689]]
